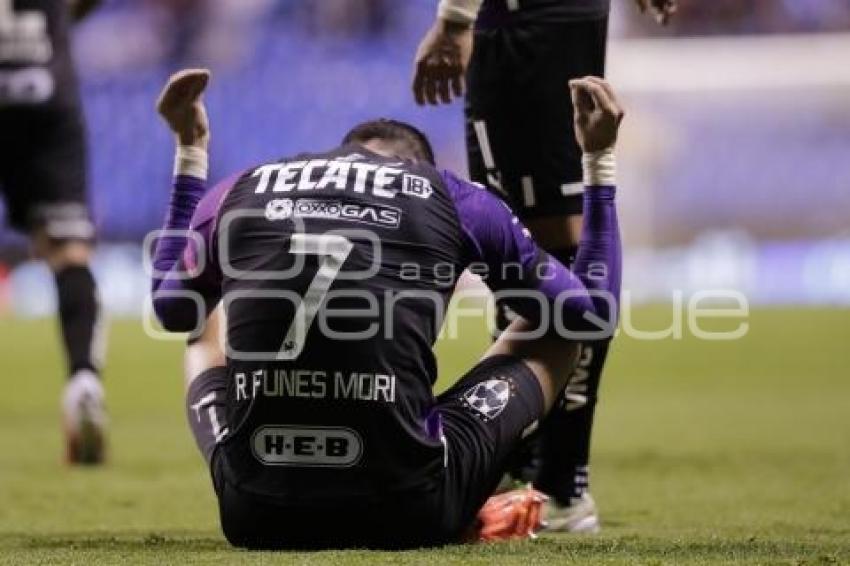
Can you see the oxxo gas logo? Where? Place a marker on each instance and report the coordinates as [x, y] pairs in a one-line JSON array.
[[372, 214], [328, 447]]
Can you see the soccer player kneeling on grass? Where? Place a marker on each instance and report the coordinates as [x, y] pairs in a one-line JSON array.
[[315, 414]]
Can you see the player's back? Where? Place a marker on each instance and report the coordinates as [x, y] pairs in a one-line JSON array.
[[336, 271]]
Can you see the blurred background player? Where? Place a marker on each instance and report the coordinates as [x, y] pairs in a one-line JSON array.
[[521, 146], [43, 180]]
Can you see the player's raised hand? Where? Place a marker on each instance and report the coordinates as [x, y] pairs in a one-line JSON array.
[[597, 113], [441, 62], [662, 10], [182, 107]]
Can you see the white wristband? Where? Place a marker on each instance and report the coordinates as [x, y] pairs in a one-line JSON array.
[[191, 161], [600, 168], [461, 11]]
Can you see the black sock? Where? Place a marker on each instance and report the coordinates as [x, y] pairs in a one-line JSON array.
[[565, 434], [79, 311]]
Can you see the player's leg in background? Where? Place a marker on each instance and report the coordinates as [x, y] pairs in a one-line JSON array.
[[566, 434], [495, 135], [521, 145], [47, 197], [83, 336]]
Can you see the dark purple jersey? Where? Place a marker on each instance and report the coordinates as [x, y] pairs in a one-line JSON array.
[[35, 55], [335, 270]]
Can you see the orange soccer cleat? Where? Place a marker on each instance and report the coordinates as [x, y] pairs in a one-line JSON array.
[[512, 515]]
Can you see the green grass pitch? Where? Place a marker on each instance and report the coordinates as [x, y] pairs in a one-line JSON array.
[[705, 453]]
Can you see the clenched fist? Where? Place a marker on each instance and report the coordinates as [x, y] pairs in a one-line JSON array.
[[597, 113], [182, 107]]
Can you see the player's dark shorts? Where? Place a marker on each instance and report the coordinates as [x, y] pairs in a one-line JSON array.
[[484, 416], [43, 170], [519, 119]]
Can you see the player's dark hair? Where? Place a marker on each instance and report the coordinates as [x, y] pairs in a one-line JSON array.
[[413, 143]]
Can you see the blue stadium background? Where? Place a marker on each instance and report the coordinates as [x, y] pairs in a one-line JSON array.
[[721, 182]]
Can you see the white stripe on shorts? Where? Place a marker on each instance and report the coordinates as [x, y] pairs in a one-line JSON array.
[[528, 192], [569, 189], [484, 144]]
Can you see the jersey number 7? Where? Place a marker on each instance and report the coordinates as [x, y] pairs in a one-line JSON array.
[[334, 250]]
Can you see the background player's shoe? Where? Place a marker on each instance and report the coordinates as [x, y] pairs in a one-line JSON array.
[[84, 419], [580, 516]]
